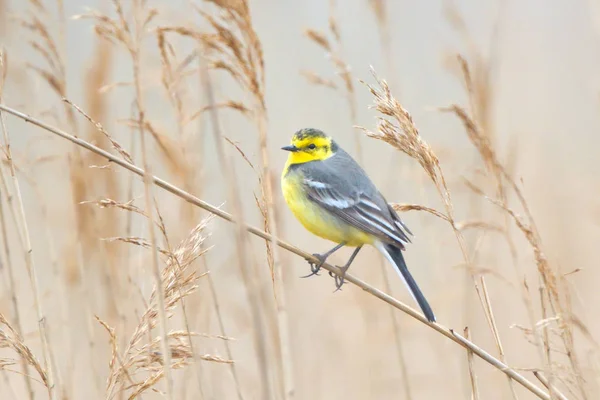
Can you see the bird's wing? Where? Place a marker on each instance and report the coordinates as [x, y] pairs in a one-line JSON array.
[[351, 196]]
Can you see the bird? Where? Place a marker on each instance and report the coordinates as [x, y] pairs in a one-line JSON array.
[[333, 198]]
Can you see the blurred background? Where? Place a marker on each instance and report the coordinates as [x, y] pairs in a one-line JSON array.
[[531, 86]]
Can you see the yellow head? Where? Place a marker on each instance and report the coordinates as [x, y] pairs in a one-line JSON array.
[[310, 144]]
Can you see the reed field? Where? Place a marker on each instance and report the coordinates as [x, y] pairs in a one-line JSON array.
[[146, 250]]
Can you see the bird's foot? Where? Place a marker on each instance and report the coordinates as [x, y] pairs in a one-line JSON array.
[[315, 268], [339, 279]]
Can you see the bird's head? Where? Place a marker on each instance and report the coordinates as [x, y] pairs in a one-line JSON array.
[[310, 144]]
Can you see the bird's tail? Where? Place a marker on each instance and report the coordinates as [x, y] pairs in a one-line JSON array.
[[394, 255]]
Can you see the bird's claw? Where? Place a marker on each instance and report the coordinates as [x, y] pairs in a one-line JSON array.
[[315, 268], [339, 279]]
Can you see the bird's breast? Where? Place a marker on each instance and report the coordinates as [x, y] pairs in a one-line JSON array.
[[317, 219]]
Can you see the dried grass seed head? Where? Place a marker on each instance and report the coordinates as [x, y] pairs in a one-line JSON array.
[[402, 133], [12, 340]]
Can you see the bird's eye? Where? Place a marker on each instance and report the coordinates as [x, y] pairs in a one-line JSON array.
[[312, 146]]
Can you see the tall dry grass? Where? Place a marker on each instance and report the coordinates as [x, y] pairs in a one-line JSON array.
[[119, 282]]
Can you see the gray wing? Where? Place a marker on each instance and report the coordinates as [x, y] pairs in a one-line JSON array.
[[339, 185]]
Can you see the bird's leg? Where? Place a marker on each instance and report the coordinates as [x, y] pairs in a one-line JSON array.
[[339, 279], [314, 268]]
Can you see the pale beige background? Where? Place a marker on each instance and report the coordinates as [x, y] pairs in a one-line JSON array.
[[545, 115]]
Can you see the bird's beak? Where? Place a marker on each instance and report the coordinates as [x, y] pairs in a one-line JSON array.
[[291, 148]]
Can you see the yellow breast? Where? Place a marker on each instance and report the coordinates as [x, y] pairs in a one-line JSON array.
[[316, 219]]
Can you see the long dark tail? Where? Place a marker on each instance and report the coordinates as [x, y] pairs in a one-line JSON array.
[[396, 256]]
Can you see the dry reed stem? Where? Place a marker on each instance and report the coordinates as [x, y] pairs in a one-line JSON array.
[[252, 67], [206, 88], [173, 75], [97, 107], [23, 229], [7, 262], [3, 17], [472, 376], [6, 247], [235, 48], [406, 384], [166, 365], [546, 342], [240, 241], [238, 45], [512, 373], [396, 127], [553, 390], [478, 127], [3, 362], [215, 299], [51, 47], [50, 44], [548, 276], [284, 354], [477, 134], [148, 195], [130, 34]]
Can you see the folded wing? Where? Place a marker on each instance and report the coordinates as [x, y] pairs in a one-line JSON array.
[[361, 206]]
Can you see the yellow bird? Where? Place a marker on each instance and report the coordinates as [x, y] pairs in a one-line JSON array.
[[332, 196]]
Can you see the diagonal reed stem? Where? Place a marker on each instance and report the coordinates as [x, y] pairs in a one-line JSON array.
[[30, 263], [449, 333]]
